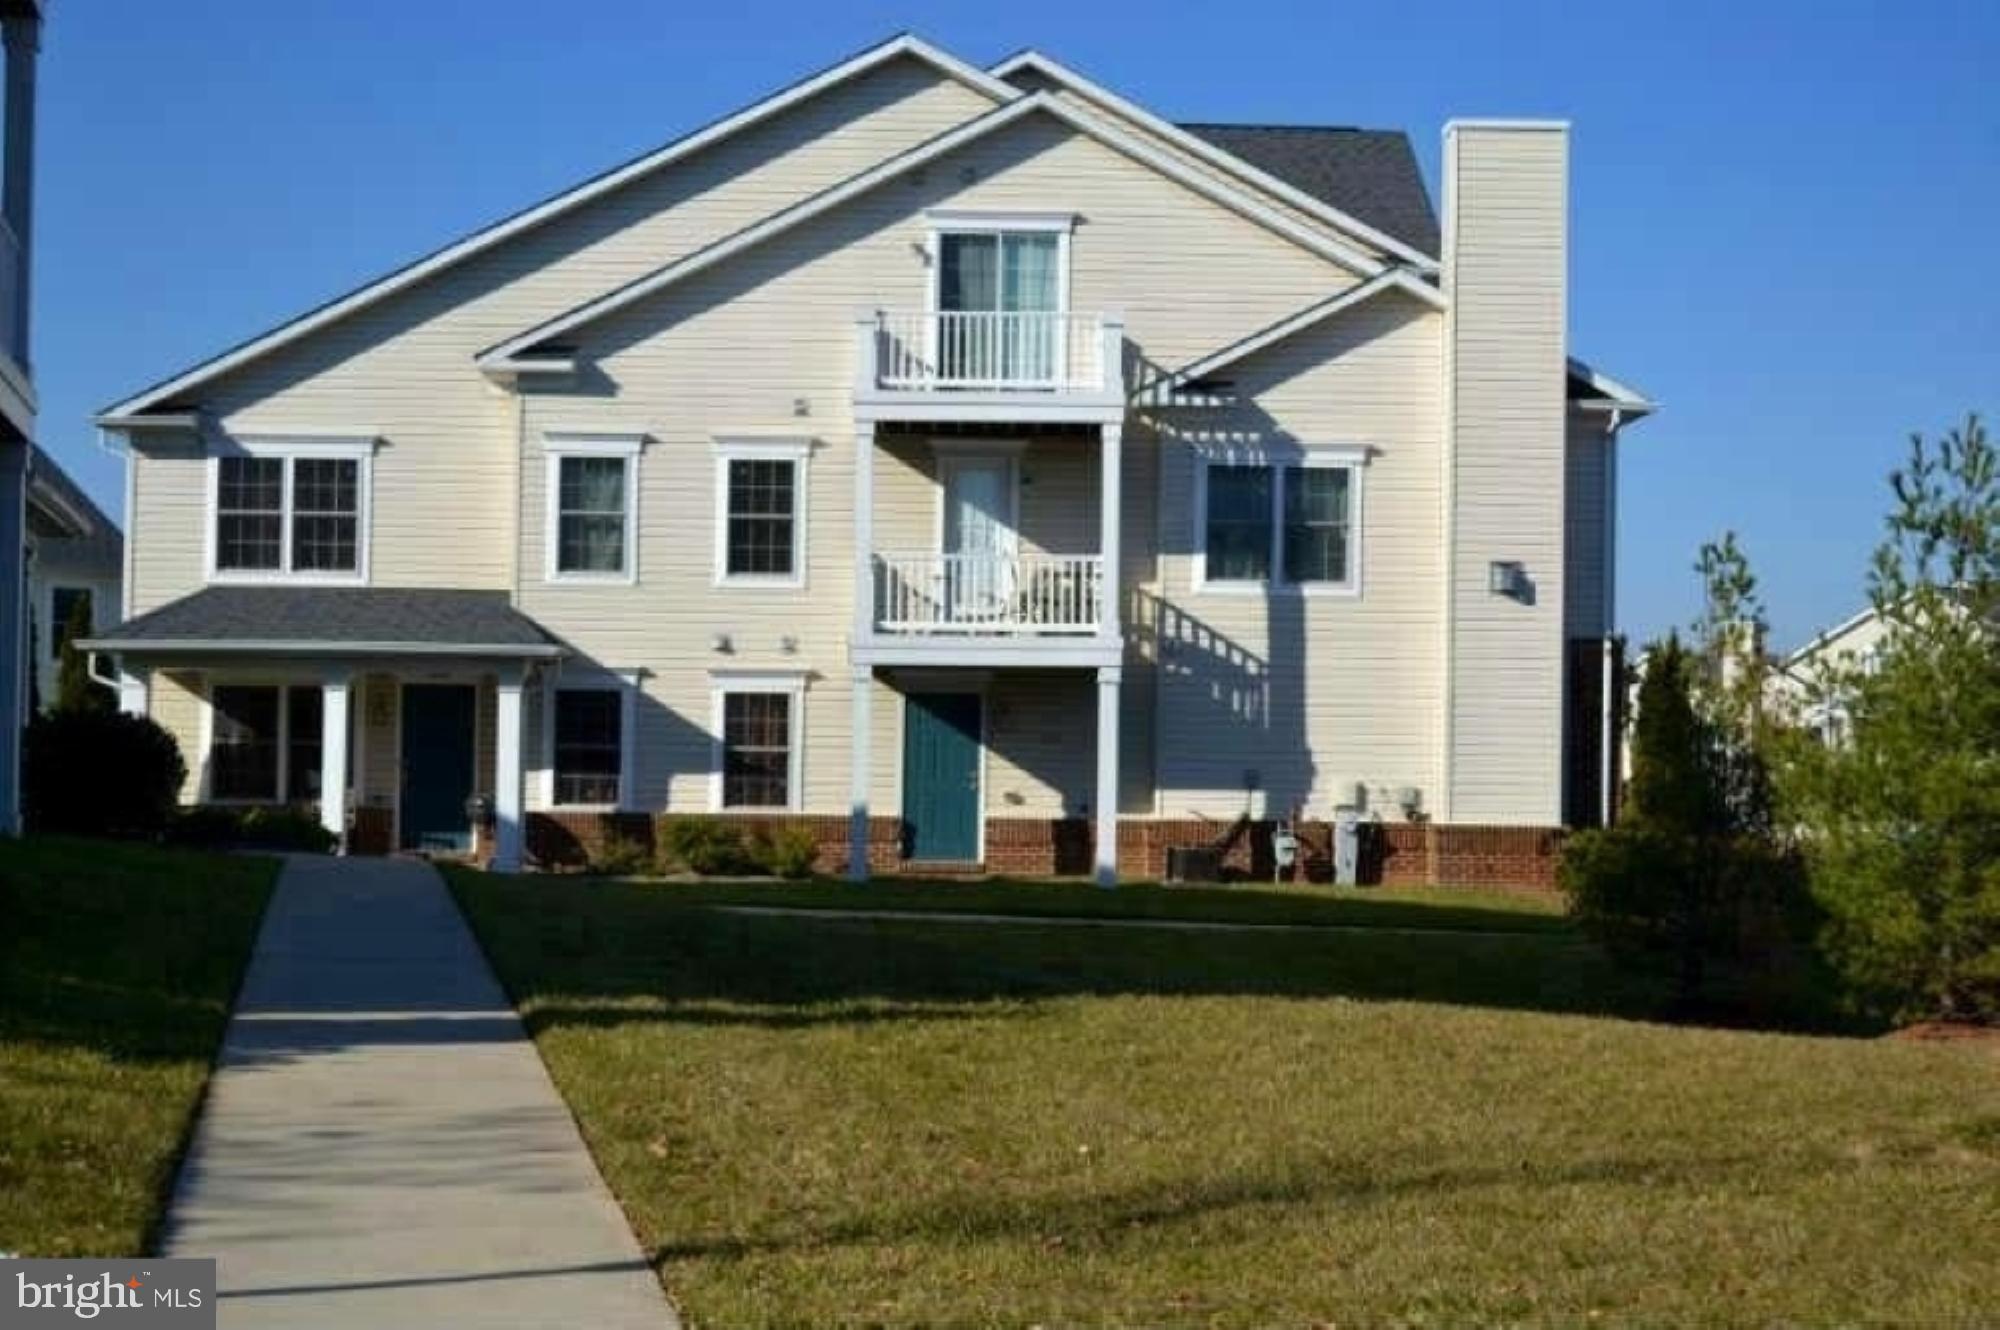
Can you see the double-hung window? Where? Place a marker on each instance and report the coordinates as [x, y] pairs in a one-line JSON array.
[[760, 511], [295, 510], [588, 737], [64, 604], [593, 508], [1292, 522], [758, 724], [265, 743]]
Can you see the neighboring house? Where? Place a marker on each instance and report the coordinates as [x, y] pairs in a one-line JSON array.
[[966, 464], [20, 37], [76, 556], [1798, 684]]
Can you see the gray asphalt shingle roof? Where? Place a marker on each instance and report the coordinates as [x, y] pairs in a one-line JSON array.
[[412, 618], [1369, 174]]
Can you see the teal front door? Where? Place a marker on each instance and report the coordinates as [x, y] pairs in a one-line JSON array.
[[438, 722], [941, 776]]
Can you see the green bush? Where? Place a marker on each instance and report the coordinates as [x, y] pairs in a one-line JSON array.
[[88, 772], [264, 827], [788, 852], [705, 845], [621, 856]]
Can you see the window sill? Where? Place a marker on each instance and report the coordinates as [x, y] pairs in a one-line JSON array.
[[1278, 590], [247, 578], [756, 582], [592, 579]]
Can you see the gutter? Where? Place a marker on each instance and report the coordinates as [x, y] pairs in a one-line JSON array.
[[295, 647]]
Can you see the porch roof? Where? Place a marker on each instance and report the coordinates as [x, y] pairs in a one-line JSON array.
[[341, 621]]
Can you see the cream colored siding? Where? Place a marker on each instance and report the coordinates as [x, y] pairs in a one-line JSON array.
[[403, 367], [1587, 528], [1041, 747], [178, 700], [1313, 694], [168, 522], [1505, 256]]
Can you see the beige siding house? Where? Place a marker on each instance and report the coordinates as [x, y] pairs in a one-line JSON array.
[[967, 465]]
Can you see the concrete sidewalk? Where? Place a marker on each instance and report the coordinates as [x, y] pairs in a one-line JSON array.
[[381, 1145]]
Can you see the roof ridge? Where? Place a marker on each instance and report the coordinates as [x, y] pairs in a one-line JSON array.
[[1272, 124]]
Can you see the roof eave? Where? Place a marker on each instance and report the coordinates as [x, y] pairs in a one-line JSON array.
[[299, 647]]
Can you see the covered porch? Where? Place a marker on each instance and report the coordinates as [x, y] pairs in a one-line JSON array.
[[398, 717]]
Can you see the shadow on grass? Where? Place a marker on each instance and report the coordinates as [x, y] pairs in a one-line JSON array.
[[607, 953]]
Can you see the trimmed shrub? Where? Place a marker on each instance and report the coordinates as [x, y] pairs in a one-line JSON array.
[[788, 852], [705, 845], [265, 827], [621, 856], [99, 773]]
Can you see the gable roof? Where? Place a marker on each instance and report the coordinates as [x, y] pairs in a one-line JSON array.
[[1369, 174], [1334, 251], [479, 241], [1393, 279], [1193, 140]]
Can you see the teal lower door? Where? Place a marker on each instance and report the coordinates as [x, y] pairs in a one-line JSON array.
[[941, 776], [438, 724]]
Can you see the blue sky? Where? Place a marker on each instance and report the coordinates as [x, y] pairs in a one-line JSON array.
[[1784, 214]]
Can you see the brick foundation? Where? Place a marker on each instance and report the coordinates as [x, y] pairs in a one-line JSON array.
[[1392, 853]]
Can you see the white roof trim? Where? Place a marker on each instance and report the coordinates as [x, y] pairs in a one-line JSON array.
[[1628, 400], [479, 241], [1394, 279], [1000, 117], [1827, 637], [1218, 157]]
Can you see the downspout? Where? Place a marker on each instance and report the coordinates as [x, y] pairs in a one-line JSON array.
[[1607, 749]]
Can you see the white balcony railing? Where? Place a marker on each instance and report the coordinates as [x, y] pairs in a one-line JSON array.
[[1026, 594], [990, 352]]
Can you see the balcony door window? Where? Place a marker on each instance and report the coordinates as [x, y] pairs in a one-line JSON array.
[[978, 533], [1000, 305]]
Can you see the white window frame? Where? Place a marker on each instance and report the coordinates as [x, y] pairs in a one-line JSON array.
[[1352, 458], [626, 684], [798, 452], [284, 689], [559, 445], [791, 684], [293, 448]]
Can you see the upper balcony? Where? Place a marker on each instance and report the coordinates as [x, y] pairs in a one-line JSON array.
[[989, 365]]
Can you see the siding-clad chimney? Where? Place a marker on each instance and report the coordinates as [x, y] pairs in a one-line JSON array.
[[1506, 258]]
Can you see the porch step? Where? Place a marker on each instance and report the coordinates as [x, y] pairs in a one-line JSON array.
[[942, 868]]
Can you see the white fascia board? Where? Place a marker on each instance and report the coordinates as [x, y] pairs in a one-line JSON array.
[[124, 424], [1217, 157], [480, 241], [1000, 117], [1395, 279]]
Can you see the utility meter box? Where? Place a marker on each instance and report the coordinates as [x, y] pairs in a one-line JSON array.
[[1347, 846], [1284, 848]]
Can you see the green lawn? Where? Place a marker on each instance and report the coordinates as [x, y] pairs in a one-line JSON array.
[[817, 1121], [1435, 907], [117, 968]]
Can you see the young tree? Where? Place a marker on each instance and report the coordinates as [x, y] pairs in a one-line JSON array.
[[75, 689], [1901, 824]]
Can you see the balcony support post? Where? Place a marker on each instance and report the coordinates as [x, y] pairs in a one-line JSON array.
[[1110, 511], [1109, 679], [861, 776], [864, 532]]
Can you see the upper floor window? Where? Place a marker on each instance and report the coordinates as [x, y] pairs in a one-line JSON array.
[[760, 506], [593, 485], [291, 510], [1294, 523]]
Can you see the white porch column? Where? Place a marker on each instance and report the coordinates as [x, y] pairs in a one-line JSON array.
[[14, 663], [864, 532], [1109, 677], [135, 691], [334, 696], [1110, 509], [507, 829], [857, 817]]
